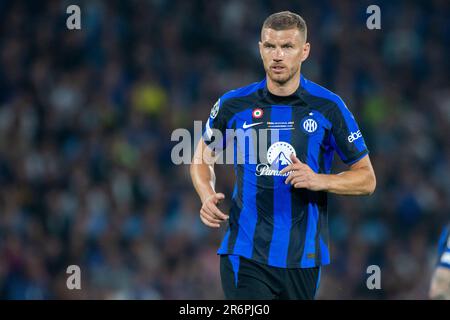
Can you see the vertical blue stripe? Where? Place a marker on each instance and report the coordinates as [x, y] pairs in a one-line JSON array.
[[235, 188], [324, 252], [312, 159], [235, 264], [248, 215], [318, 282], [282, 215], [443, 240]]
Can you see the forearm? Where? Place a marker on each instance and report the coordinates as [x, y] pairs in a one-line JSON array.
[[359, 181], [202, 171], [203, 179]]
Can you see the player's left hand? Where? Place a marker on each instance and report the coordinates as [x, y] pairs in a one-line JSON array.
[[302, 176]]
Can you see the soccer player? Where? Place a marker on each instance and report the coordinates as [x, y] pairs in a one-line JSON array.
[[277, 238], [440, 283]]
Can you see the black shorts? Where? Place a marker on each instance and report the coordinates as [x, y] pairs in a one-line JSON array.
[[244, 279]]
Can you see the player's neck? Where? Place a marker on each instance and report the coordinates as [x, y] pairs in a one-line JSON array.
[[283, 89]]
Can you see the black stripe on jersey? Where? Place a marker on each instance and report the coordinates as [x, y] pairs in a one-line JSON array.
[[299, 197], [264, 224]]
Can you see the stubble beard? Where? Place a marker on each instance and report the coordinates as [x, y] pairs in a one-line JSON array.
[[283, 78]]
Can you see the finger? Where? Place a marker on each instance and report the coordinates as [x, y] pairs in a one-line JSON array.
[[291, 176], [294, 159], [209, 216], [290, 167], [219, 196], [301, 184], [209, 224], [298, 180], [215, 212]]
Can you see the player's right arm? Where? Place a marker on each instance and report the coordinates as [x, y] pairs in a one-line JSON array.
[[202, 167], [203, 178]]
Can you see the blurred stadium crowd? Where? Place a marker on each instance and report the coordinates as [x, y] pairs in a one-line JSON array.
[[86, 119]]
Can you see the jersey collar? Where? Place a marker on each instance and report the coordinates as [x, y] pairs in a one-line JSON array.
[[298, 94]]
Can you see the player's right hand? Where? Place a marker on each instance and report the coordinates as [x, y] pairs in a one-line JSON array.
[[210, 213]]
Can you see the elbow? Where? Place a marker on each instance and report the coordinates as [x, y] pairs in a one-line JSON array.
[[192, 169], [371, 184]]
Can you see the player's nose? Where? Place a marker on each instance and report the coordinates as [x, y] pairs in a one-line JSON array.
[[277, 60], [278, 54]]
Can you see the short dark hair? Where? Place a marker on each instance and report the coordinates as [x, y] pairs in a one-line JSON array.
[[285, 20]]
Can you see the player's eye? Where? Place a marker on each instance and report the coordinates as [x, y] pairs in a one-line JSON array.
[[289, 46], [268, 45]]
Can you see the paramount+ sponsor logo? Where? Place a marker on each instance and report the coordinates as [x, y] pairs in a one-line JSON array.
[[354, 136]]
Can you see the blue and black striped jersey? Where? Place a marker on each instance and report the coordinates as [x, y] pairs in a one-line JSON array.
[[444, 248], [271, 222]]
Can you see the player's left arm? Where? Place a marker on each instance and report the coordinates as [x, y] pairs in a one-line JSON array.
[[358, 180], [346, 138]]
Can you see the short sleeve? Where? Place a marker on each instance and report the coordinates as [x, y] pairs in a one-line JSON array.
[[346, 137], [215, 128]]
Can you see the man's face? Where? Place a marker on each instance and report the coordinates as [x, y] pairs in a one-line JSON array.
[[282, 53]]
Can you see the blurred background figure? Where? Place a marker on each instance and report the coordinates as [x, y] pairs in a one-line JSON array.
[[86, 118]]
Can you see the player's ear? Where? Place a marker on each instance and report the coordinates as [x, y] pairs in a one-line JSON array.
[[260, 45], [306, 49]]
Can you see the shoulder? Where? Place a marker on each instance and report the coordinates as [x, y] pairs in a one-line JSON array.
[[324, 96], [231, 102], [241, 92]]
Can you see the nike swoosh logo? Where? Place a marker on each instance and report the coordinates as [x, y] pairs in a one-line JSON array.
[[245, 125]]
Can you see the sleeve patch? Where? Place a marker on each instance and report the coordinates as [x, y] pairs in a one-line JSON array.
[[215, 109]]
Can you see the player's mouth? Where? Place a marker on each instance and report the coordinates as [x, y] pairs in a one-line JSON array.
[[277, 68]]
